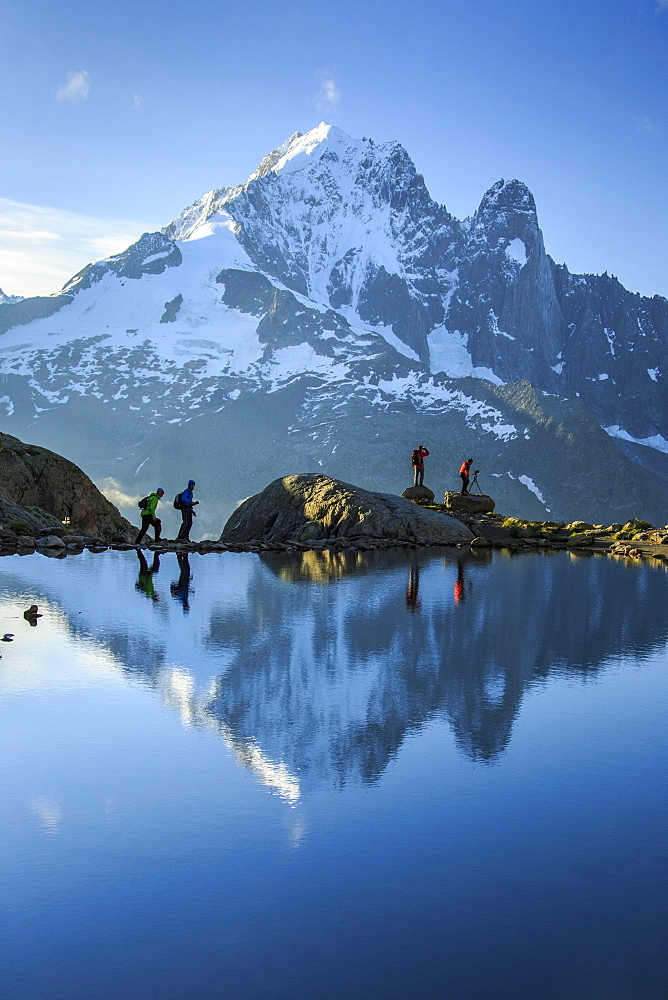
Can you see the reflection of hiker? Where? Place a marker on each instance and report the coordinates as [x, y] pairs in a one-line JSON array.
[[145, 578], [417, 458], [148, 518], [413, 602], [464, 473], [181, 589], [187, 512], [460, 593]]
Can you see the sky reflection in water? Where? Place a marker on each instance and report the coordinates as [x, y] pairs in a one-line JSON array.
[[329, 774]]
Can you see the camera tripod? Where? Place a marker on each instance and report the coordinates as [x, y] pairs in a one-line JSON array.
[[474, 482]]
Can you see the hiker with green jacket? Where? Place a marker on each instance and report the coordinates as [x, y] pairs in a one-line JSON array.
[[148, 519]]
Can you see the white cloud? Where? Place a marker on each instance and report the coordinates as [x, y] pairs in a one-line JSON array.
[[76, 87], [41, 248], [329, 95], [113, 491], [137, 102], [645, 124]]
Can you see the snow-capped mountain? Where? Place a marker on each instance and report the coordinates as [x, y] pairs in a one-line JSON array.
[[328, 315], [9, 299]]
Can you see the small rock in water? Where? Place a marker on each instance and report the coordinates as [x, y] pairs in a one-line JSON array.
[[32, 614]]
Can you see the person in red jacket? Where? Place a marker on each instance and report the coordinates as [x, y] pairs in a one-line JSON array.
[[464, 473], [417, 458]]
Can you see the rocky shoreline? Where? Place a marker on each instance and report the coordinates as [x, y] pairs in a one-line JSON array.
[[634, 540], [48, 505]]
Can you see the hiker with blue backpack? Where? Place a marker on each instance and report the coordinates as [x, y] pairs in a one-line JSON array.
[[185, 504], [147, 506]]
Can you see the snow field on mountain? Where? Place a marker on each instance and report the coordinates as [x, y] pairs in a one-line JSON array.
[[448, 353], [127, 314]]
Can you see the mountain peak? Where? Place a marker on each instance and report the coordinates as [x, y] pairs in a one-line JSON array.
[[510, 195], [301, 149]]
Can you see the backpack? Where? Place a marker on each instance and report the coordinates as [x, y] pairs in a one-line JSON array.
[[416, 457], [177, 502], [143, 503]]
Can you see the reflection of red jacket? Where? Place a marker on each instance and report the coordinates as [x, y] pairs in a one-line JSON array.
[[421, 454], [464, 471]]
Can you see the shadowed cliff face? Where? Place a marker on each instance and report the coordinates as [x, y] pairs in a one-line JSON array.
[[35, 477]]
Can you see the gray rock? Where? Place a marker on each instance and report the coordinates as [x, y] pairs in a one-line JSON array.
[[418, 493], [281, 512], [469, 503], [49, 542], [312, 531]]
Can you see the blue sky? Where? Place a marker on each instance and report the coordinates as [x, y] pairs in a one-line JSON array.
[[115, 115]]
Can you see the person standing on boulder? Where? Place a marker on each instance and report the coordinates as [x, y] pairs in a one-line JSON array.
[[464, 473], [417, 458], [148, 518], [187, 512]]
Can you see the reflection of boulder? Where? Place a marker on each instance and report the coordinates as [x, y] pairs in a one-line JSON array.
[[312, 505], [35, 477], [469, 503], [329, 565]]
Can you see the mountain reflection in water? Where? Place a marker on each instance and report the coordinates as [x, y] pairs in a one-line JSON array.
[[313, 667]]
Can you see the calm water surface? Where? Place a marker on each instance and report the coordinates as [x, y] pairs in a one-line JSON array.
[[392, 775]]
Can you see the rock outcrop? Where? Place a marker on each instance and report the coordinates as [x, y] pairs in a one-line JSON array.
[[469, 503], [313, 506], [24, 520], [40, 489], [420, 494]]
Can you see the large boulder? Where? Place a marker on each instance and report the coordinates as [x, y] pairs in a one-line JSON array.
[[469, 503], [53, 489], [312, 505], [420, 494]]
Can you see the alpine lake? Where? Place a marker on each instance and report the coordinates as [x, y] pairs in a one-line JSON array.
[[424, 773]]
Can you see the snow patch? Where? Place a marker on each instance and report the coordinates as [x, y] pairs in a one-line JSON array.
[[530, 485], [496, 330], [657, 442], [610, 337], [517, 252], [448, 354]]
